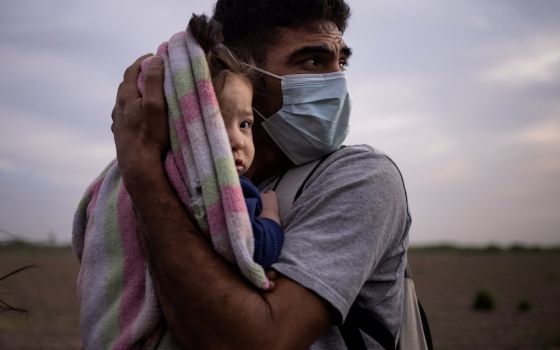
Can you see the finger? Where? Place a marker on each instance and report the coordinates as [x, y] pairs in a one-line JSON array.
[[271, 275], [154, 99], [115, 107], [119, 91], [271, 286], [134, 69], [128, 89]]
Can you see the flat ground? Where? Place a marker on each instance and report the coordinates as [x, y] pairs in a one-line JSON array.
[[47, 292], [446, 282]]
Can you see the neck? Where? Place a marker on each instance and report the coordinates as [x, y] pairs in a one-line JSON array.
[[263, 169], [269, 159]]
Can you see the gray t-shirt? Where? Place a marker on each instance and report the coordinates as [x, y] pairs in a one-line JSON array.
[[346, 238]]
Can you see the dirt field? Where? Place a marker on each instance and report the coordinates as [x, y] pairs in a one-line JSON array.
[[48, 292], [446, 283]]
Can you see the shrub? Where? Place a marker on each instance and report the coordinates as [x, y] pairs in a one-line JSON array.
[[523, 306], [483, 301]]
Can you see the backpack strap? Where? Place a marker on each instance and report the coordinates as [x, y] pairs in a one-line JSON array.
[[358, 319], [290, 184], [426, 327]]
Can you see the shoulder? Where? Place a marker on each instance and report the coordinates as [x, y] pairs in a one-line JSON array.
[[364, 155], [362, 166], [351, 215]]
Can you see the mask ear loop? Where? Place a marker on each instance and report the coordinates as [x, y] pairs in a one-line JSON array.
[[259, 113], [264, 71], [230, 54]]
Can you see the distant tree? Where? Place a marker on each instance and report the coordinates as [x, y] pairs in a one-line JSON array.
[[483, 301], [51, 238], [523, 306]]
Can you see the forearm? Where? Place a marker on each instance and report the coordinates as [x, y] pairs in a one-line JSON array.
[[204, 299]]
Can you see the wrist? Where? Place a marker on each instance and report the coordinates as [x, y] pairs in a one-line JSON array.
[[270, 214], [142, 172]]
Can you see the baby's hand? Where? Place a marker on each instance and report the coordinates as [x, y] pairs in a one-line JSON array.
[[272, 277], [270, 206]]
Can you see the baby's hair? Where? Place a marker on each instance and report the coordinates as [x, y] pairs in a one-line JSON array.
[[221, 61]]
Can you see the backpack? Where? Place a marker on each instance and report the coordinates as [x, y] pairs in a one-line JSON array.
[[414, 329]]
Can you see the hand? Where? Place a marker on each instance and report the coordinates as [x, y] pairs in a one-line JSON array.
[[272, 276], [140, 122], [270, 206]]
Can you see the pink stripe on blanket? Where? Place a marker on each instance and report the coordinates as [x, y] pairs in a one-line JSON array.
[[163, 49], [233, 200], [181, 131], [134, 268], [183, 138], [206, 92], [189, 103], [216, 219], [93, 193]]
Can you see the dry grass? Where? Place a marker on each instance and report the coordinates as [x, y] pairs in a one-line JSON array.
[[47, 292], [447, 283]]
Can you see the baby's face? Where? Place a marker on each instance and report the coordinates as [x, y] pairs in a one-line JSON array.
[[235, 99]]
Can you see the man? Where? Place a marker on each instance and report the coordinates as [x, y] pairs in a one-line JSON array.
[[345, 239]]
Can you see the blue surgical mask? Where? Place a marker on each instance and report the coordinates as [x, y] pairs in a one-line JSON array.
[[313, 120]]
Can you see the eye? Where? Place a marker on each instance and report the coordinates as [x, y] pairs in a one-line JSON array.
[[246, 124], [310, 63], [343, 63]]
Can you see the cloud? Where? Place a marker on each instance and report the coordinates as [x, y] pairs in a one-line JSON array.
[[462, 95], [50, 151], [529, 62], [6, 165], [49, 83], [545, 133]]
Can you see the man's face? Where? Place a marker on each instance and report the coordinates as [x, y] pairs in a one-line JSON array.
[[312, 49]]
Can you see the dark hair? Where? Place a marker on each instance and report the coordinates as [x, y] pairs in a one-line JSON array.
[[221, 61], [251, 26]]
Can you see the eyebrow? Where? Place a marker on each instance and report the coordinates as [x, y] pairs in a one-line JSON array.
[[318, 50], [346, 51]]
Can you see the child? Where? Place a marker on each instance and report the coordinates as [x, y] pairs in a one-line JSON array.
[[234, 91]]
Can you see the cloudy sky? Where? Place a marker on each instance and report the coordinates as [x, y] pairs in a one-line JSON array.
[[463, 94]]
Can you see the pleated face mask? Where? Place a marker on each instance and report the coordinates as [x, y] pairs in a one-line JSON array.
[[313, 120]]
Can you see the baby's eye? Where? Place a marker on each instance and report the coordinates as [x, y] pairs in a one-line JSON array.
[[246, 124]]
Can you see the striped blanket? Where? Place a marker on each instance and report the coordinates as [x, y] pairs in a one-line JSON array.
[[118, 305]]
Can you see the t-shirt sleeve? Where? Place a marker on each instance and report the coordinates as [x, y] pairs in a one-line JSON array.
[[352, 209]]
